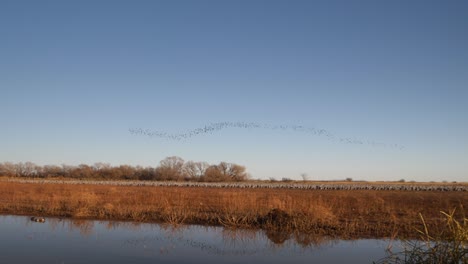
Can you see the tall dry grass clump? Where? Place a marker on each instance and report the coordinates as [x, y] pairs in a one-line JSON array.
[[446, 246]]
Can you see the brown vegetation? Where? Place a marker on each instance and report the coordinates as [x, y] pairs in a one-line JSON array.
[[331, 212]]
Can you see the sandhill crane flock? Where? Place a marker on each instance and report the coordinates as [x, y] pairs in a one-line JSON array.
[[267, 185], [215, 127]]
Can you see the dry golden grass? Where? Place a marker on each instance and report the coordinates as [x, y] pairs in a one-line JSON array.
[[339, 212]]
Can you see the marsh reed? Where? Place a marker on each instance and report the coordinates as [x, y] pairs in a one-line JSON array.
[[446, 245]]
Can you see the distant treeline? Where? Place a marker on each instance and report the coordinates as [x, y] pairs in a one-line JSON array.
[[169, 169]]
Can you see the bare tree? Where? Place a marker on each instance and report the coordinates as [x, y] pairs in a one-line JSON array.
[[189, 170], [215, 174], [194, 171], [233, 171], [304, 176], [226, 172], [127, 172], [237, 172], [52, 171], [146, 174], [101, 166], [83, 171], [8, 169], [170, 168], [27, 169], [67, 170], [201, 168]]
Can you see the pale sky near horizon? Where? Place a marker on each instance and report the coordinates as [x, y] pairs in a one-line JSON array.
[[75, 76]]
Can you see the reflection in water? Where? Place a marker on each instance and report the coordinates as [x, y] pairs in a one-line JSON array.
[[80, 241], [235, 242], [277, 237]]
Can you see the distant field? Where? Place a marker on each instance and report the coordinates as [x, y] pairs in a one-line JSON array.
[[350, 212]]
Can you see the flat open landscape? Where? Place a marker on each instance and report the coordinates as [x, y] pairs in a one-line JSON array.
[[331, 211]]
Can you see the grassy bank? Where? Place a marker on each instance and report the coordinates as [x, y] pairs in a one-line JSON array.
[[447, 246], [333, 212]]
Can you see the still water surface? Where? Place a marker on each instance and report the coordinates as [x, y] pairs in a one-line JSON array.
[[85, 241]]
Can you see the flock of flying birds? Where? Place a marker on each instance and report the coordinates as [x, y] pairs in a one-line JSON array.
[[214, 127]]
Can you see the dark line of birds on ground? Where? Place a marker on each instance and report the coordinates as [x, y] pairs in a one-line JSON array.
[[266, 185], [214, 127]]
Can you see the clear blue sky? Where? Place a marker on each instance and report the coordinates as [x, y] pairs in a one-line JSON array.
[[76, 75]]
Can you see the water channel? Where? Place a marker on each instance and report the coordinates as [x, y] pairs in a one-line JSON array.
[[89, 241]]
